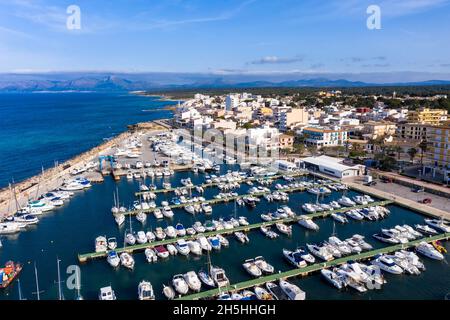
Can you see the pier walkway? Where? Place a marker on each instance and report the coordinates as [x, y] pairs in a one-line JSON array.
[[213, 184], [311, 268], [89, 256]]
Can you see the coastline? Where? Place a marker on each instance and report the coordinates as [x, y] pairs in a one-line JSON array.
[[53, 178]]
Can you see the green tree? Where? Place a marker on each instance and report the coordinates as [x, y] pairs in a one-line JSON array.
[[423, 149], [412, 152]]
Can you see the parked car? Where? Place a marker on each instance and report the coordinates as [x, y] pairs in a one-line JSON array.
[[386, 179], [371, 183], [425, 201], [418, 189]]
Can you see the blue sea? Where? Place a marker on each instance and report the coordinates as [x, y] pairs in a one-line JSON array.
[[37, 129]]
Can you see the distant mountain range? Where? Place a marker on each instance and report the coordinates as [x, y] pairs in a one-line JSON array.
[[160, 81]]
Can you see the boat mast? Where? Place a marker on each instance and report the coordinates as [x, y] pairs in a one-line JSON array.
[[37, 283], [20, 290]]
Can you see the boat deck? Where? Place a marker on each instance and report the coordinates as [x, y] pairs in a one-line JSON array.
[[89, 256], [311, 268]]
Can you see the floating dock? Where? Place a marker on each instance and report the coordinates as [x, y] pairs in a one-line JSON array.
[[311, 268], [139, 247]]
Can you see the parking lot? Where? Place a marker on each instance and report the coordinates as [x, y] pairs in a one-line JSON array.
[[438, 202]]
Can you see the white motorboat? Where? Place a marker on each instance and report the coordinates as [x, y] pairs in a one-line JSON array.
[[141, 217], [141, 237], [215, 242], [360, 200], [285, 229], [150, 255], [387, 264], [9, 227], [112, 243], [251, 268], [162, 252], [343, 247], [158, 213], [130, 239], [180, 284], [190, 231], [429, 251], [346, 202], [309, 208], [190, 209], [180, 230], [168, 292], [266, 217], [101, 244], [425, 229], [243, 221], [120, 219], [339, 217], [150, 236], [385, 238], [145, 291], [204, 243], [170, 231], [172, 249], [335, 205], [268, 232], [262, 294], [354, 214], [307, 223], [242, 237], [333, 278], [113, 259], [320, 252], [182, 247], [207, 209], [292, 291], [167, 212], [349, 280], [160, 234], [195, 248], [127, 260], [294, 258], [219, 277], [262, 264], [223, 241], [193, 281], [206, 279], [438, 224], [198, 227], [107, 293], [359, 239]]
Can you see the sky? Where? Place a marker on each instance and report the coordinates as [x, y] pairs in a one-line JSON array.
[[227, 36]]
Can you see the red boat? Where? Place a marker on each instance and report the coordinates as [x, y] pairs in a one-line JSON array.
[[8, 273], [161, 252]]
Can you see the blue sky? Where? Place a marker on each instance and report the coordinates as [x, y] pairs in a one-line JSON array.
[[227, 36]]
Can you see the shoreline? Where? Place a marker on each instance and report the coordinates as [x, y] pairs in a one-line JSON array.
[[54, 177]]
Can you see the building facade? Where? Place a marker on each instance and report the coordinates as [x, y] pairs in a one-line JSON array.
[[325, 136], [428, 116]]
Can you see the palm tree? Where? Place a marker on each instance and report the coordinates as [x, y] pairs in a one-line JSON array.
[[398, 150], [423, 145], [412, 153]]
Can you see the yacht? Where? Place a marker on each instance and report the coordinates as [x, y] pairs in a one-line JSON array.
[[167, 212], [320, 252], [170, 232], [335, 205], [195, 248], [204, 243], [438, 224], [309, 258], [112, 243], [276, 291], [429, 251], [425, 229], [349, 280], [106, 293], [223, 241], [294, 258], [172, 249], [198, 227], [359, 239], [346, 202], [150, 255], [145, 291], [262, 264], [307, 222], [9, 227], [292, 291], [180, 284], [207, 209], [206, 279], [242, 237], [262, 294], [386, 264], [268, 232], [141, 237], [141, 217], [354, 214], [285, 229], [250, 266], [360, 200], [193, 281], [158, 213], [120, 219], [385, 238], [182, 247], [333, 278], [43, 205], [215, 242], [181, 231], [339, 217], [343, 247], [160, 234], [190, 209], [162, 252], [130, 239], [101, 244], [150, 236], [113, 259], [243, 221], [127, 260], [219, 277], [266, 217], [309, 208]]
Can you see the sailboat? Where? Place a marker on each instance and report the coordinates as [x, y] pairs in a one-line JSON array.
[[60, 293], [38, 297], [20, 290]]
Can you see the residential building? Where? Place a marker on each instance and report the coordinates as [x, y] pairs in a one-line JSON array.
[[412, 131], [379, 129], [231, 102], [439, 145], [293, 118], [286, 141], [325, 136], [428, 116]]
